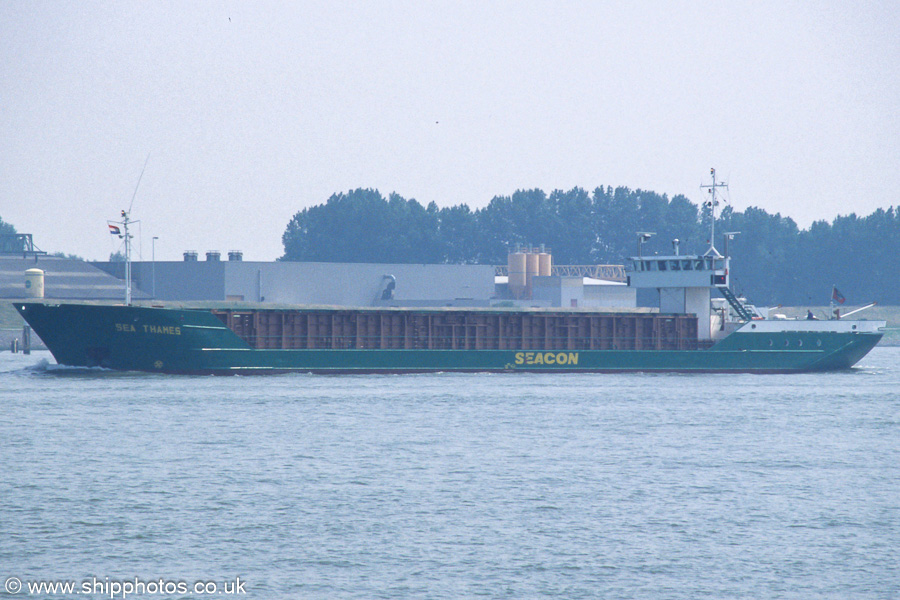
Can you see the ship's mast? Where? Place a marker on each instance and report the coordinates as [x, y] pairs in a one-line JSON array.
[[712, 203], [123, 233], [125, 222]]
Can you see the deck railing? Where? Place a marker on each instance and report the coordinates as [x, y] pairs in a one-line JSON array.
[[608, 272]]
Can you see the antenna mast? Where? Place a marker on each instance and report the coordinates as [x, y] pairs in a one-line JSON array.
[[125, 222], [712, 203]]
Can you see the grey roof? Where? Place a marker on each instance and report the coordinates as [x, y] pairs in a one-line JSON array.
[[64, 278]]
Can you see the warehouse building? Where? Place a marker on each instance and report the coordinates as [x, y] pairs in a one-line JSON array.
[[529, 279]]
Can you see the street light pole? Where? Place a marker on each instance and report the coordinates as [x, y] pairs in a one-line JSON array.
[[642, 237], [153, 267]]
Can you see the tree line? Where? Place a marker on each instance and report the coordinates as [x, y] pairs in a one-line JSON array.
[[773, 260]]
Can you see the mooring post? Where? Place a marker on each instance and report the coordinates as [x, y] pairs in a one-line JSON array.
[[26, 339]]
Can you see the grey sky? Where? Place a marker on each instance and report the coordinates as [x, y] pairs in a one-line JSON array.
[[251, 111]]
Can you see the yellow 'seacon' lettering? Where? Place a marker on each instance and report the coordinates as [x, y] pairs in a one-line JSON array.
[[546, 358]]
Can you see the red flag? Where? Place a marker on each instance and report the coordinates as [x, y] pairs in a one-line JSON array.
[[837, 296]]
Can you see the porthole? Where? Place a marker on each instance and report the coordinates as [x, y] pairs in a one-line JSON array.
[[753, 326], [854, 327], [800, 343], [787, 343], [771, 343], [819, 343]]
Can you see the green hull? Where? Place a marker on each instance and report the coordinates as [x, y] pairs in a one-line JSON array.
[[169, 340]]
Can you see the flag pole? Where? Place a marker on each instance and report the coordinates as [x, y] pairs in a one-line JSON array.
[[831, 304], [836, 296], [125, 222]]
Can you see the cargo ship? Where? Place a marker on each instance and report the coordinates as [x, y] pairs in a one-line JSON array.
[[245, 340], [699, 325]]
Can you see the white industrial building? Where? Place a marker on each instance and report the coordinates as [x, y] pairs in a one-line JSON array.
[[364, 284], [339, 284], [529, 279]]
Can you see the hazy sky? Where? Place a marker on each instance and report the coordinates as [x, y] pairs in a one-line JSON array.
[[251, 111]]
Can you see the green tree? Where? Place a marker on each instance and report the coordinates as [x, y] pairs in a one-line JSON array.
[[457, 234], [7, 228], [525, 218], [363, 226], [573, 236], [763, 255]]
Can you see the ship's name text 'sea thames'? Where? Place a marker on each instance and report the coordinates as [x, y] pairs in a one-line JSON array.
[[156, 329], [546, 358]]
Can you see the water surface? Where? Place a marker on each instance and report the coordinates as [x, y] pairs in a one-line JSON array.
[[456, 485]]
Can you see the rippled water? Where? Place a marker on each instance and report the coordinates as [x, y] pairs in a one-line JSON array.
[[456, 486]]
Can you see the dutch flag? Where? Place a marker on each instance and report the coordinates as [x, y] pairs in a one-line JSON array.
[[837, 296], [114, 229]]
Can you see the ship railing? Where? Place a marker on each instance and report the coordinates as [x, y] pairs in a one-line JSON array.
[[608, 272]]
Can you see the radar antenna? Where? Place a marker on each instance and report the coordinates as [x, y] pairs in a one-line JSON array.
[[712, 203]]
